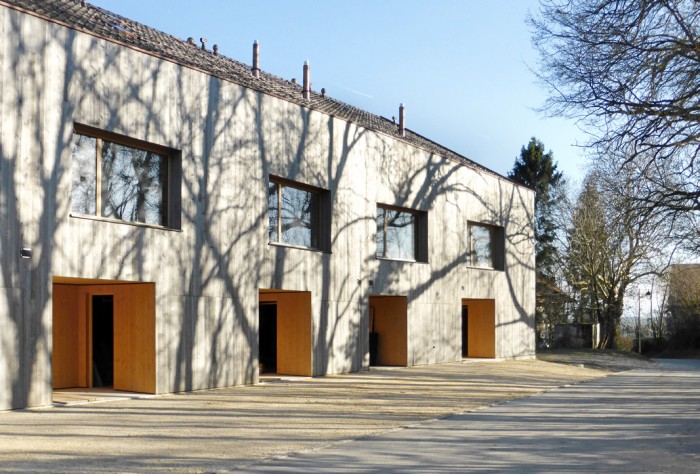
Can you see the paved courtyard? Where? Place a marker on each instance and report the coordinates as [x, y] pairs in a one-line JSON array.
[[446, 417], [638, 421]]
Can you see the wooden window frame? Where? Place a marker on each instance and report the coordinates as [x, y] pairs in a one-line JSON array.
[[172, 180], [322, 228], [420, 237], [497, 241]]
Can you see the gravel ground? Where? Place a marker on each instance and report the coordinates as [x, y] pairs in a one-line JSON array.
[[225, 428], [613, 361]]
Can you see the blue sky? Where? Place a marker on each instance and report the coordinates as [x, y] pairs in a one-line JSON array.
[[459, 66]]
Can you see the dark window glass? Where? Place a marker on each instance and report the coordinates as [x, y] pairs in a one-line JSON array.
[[396, 234], [486, 246], [293, 215], [131, 181], [133, 184], [273, 215], [83, 166], [380, 232]]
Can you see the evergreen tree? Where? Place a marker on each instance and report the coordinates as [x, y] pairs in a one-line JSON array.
[[536, 169]]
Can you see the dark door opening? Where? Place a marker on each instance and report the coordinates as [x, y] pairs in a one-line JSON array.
[[465, 331], [102, 341], [373, 337], [267, 346]]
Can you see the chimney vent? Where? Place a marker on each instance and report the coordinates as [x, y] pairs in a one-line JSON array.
[[294, 81], [190, 41], [204, 43], [216, 49], [256, 59], [306, 91], [323, 92], [402, 120]]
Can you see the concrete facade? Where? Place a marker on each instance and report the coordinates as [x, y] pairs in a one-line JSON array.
[[209, 269]]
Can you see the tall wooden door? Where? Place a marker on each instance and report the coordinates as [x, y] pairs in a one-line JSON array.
[[481, 327], [66, 337], [134, 338]]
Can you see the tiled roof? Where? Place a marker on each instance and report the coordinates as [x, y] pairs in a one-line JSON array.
[[113, 27]]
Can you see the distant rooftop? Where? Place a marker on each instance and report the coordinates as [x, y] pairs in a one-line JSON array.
[[110, 26]]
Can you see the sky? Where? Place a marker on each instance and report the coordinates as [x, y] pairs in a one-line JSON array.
[[462, 68]]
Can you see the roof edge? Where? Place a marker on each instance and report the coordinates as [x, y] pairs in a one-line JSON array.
[[411, 138]]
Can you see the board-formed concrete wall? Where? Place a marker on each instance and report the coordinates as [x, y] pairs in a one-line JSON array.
[[207, 274]]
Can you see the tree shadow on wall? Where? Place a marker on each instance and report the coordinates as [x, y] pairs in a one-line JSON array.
[[31, 169], [231, 139]]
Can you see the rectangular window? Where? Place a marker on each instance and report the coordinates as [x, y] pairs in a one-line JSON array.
[[486, 246], [119, 178], [295, 214], [399, 232]]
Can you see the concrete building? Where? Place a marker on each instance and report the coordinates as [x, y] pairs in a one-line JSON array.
[[173, 220]]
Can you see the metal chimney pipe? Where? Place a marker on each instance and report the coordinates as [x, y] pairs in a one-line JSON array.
[[256, 59], [402, 120], [306, 90]]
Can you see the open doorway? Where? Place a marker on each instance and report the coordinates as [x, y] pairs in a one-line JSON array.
[[102, 340], [104, 335], [285, 343], [479, 328], [465, 330], [267, 344], [388, 334]]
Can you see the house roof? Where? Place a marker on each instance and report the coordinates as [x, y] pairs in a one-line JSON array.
[[113, 27]]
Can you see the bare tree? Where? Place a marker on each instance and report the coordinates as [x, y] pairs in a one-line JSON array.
[[657, 319], [610, 244], [538, 170], [629, 70]]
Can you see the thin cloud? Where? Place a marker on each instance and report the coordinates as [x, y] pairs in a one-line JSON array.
[[363, 94]]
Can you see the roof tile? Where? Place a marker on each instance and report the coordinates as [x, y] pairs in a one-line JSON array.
[[113, 27]]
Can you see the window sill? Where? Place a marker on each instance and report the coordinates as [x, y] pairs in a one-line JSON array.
[[404, 260], [298, 247], [117, 221], [486, 268]]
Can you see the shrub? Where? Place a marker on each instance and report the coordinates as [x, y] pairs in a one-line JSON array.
[[624, 343]]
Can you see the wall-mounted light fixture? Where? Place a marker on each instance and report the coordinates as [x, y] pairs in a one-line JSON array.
[[25, 252]]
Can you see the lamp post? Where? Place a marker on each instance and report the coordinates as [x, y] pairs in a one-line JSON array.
[[639, 321], [639, 318], [651, 309]]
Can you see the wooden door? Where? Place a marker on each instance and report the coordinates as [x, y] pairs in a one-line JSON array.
[[481, 326], [134, 338], [66, 332], [390, 324]]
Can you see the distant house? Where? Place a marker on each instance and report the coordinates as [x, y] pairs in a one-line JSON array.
[[173, 220]]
